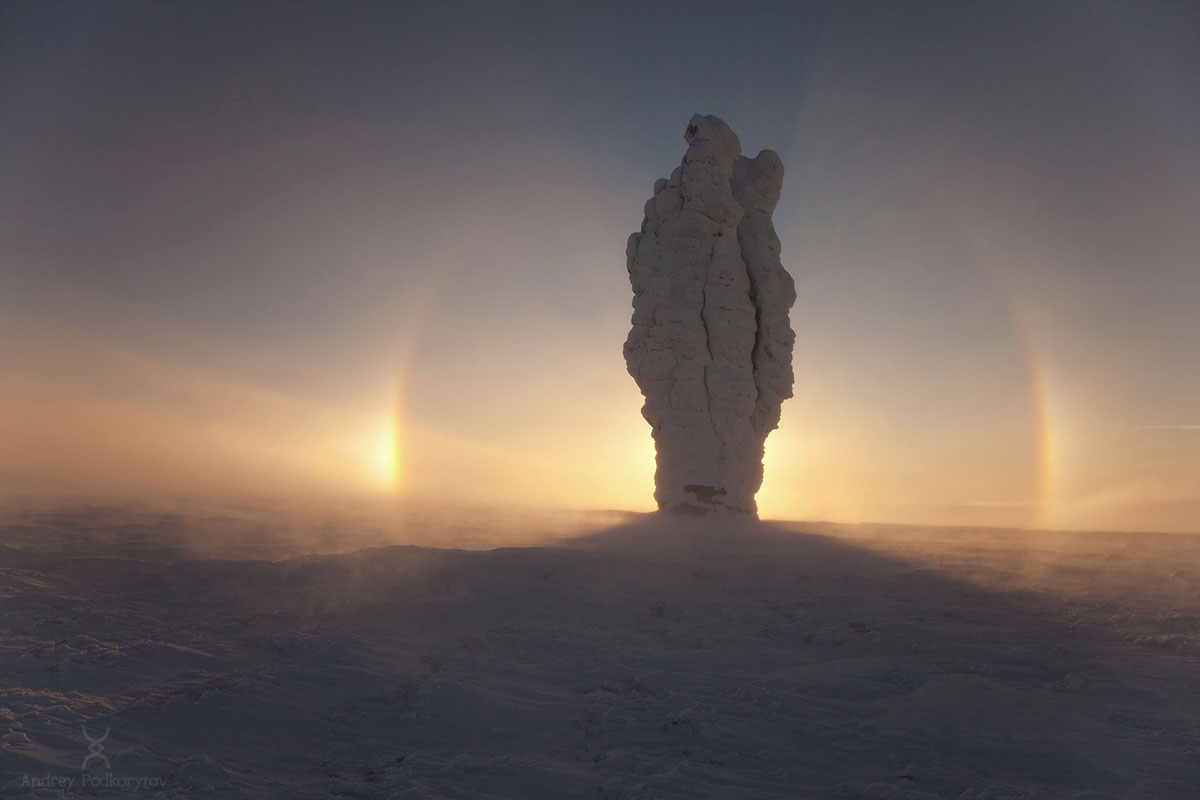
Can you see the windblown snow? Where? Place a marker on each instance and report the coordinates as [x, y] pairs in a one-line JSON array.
[[632, 658]]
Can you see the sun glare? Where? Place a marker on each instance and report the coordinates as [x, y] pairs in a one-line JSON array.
[[382, 455]]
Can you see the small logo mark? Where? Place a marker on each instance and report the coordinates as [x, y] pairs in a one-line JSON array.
[[95, 748]]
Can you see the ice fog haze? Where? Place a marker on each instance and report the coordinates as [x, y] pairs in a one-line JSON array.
[[309, 248]]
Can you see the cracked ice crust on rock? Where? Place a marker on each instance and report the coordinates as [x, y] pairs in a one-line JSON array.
[[711, 344]]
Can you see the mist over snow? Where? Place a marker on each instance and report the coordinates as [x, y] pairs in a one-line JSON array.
[[530, 654]]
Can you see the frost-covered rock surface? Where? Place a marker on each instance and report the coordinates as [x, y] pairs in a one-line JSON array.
[[711, 346]]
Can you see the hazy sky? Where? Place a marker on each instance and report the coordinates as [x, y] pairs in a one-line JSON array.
[[245, 246]]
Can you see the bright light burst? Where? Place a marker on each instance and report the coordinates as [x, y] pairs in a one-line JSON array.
[[382, 455]]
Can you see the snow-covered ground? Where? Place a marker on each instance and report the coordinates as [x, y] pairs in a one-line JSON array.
[[626, 657]]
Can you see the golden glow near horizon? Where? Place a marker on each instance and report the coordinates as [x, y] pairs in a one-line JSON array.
[[1049, 434], [372, 293], [130, 423], [382, 455], [519, 415]]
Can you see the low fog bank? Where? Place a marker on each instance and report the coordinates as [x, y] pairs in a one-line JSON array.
[[279, 529], [1147, 584]]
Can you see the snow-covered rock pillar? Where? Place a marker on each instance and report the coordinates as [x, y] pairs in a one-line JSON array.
[[711, 345]]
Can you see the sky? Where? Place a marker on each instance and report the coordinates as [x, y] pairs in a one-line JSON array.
[[308, 249]]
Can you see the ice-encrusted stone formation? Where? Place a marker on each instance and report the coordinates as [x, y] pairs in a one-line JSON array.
[[711, 344]]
